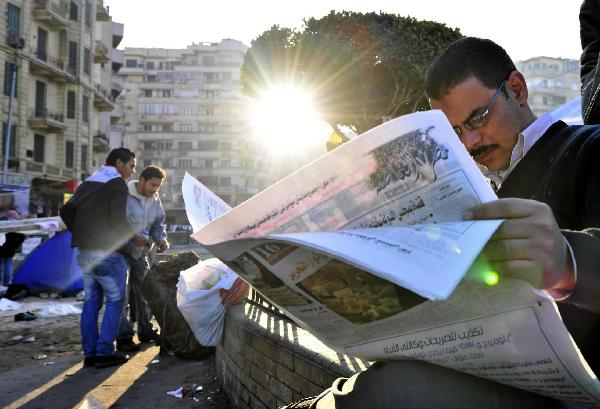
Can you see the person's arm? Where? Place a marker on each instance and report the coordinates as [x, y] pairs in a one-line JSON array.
[[67, 214], [589, 23], [118, 192], [530, 246], [158, 230]]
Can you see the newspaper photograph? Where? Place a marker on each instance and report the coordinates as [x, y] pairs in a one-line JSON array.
[[366, 248]]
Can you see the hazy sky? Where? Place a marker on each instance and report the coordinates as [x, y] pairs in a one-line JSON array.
[[526, 28]]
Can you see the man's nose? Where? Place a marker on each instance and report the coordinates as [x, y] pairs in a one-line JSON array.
[[471, 138]]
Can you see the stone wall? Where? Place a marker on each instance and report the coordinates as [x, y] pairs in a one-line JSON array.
[[267, 361]]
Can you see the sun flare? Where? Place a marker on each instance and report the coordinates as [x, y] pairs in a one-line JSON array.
[[285, 122]]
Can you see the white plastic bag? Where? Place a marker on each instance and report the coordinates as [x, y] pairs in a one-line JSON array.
[[199, 301]]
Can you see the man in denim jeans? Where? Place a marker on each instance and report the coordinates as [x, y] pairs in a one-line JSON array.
[[96, 216]]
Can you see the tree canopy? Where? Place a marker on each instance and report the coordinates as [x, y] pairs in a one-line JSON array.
[[359, 67]]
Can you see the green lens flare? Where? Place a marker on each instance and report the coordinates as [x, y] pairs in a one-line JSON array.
[[490, 278]]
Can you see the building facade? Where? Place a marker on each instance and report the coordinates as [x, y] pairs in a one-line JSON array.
[[63, 102], [184, 111], [551, 81]]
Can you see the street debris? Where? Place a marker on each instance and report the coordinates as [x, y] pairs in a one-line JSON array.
[[8, 305], [40, 356], [155, 361], [57, 310], [29, 339]]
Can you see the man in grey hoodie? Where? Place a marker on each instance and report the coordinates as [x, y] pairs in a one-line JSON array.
[[146, 216]]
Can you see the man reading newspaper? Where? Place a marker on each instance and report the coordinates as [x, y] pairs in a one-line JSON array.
[[548, 174]]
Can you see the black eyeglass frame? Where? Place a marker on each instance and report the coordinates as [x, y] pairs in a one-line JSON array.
[[477, 121]]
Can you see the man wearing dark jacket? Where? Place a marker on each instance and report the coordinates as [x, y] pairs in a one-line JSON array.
[[96, 217], [589, 21], [548, 176]]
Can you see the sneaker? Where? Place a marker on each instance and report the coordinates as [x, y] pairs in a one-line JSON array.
[[89, 361], [109, 360], [127, 345]]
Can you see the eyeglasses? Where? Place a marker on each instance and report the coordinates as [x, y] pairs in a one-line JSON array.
[[478, 120]]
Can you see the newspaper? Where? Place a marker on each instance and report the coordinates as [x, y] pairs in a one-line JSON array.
[[366, 248]]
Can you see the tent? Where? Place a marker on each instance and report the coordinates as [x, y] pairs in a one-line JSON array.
[[51, 267]]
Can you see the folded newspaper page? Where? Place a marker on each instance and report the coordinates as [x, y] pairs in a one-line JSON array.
[[366, 248]]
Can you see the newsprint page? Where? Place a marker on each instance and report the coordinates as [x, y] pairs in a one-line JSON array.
[[366, 248]]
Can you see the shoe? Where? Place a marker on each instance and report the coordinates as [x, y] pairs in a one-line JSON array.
[[127, 345], [148, 337], [89, 361], [25, 316], [109, 360], [301, 404]]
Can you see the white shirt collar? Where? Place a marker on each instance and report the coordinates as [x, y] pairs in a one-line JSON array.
[[527, 138]]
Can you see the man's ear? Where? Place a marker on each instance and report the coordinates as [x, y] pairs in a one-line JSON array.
[[517, 84]]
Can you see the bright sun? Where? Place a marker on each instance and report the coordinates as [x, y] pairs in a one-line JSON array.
[[285, 122]]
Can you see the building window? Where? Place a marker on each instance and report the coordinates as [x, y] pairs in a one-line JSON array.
[[226, 181], [185, 146], [13, 138], [147, 162], [87, 61], [208, 61], [39, 142], [225, 163], [185, 163], [73, 56], [148, 93], [88, 14], [70, 154], [71, 104], [208, 145], [73, 11], [149, 65], [85, 109], [148, 146], [8, 71], [13, 20], [84, 157], [131, 63]]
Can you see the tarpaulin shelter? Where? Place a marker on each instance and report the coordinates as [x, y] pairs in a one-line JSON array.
[[51, 267]]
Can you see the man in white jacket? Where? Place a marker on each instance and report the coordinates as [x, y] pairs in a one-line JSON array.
[[146, 216]]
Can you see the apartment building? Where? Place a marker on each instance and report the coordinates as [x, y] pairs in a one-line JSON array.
[[551, 81], [184, 111], [63, 103]]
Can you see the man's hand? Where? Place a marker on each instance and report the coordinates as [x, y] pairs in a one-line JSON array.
[[140, 240], [162, 246], [236, 294], [528, 245]]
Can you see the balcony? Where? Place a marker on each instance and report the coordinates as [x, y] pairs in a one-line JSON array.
[[118, 59], [102, 12], [51, 14], [101, 54], [42, 119], [101, 142], [115, 115], [117, 34], [102, 99], [46, 65], [116, 87]]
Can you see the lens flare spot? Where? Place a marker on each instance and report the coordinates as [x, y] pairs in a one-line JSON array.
[[491, 278]]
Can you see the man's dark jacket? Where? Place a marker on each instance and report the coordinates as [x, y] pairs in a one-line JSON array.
[[589, 22], [96, 215], [562, 169]]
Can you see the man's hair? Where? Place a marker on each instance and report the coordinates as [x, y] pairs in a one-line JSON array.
[[153, 172], [468, 56], [124, 154]]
